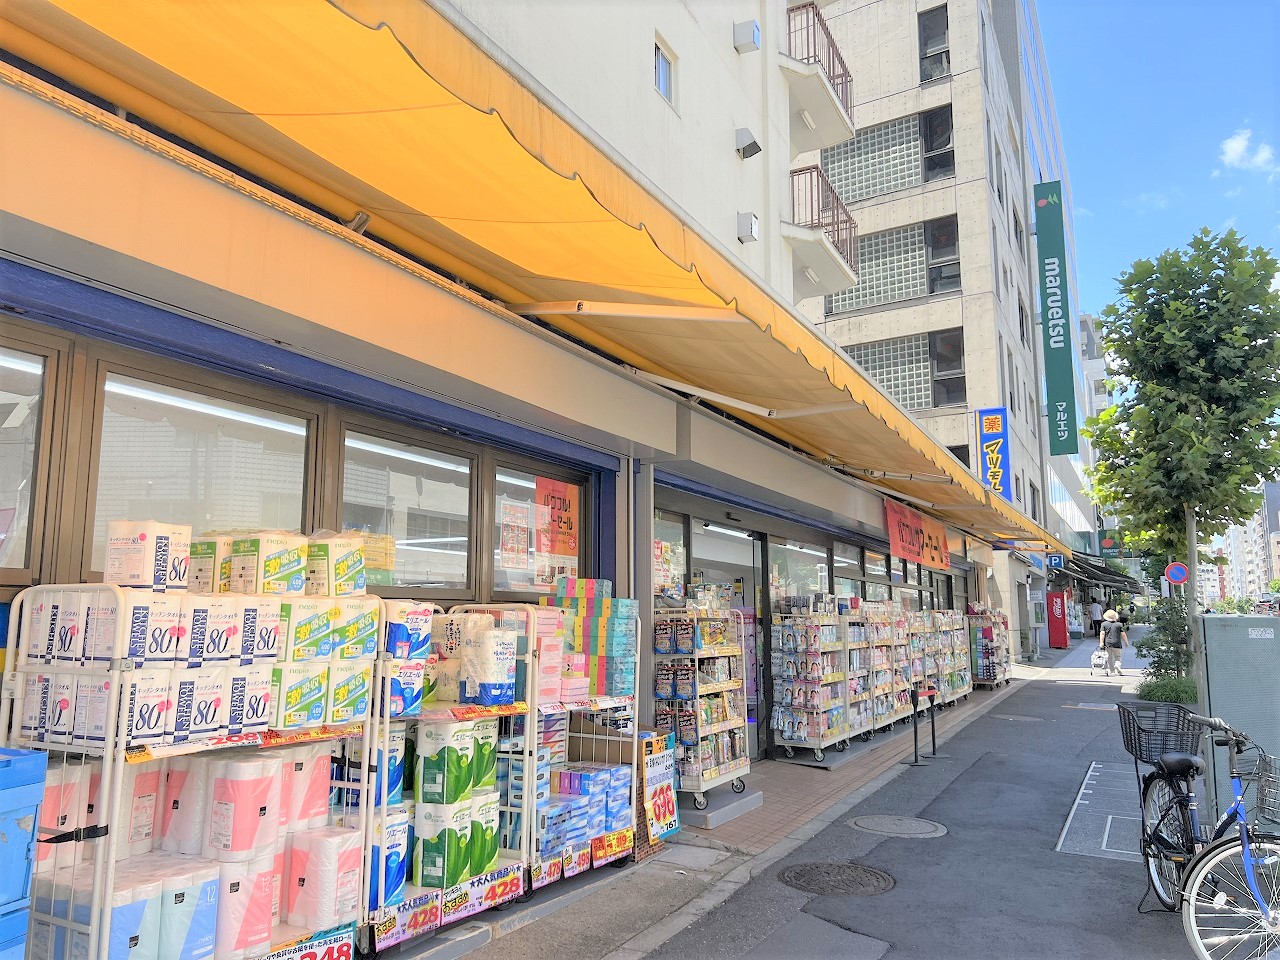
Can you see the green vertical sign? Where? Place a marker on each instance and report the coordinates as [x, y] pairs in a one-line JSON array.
[[1056, 320]]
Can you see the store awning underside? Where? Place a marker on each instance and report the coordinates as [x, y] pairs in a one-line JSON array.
[[385, 103], [1094, 570]]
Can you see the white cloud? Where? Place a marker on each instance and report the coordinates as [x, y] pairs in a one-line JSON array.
[[1083, 212], [1234, 193], [1216, 172], [1152, 201], [1275, 282], [1237, 151]]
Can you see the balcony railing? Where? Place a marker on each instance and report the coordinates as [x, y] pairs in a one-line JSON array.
[[815, 203], [811, 42]]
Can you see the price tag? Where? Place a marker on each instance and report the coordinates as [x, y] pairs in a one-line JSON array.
[[411, 919], [612, 846], [661, 811], [331, 945], [577, 860]]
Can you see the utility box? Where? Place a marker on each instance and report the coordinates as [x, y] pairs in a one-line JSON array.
[[1240, 675]]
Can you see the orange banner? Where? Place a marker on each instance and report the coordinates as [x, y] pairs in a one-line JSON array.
[[915, 537]]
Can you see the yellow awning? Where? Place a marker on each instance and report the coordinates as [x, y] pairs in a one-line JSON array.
[[386, 104]]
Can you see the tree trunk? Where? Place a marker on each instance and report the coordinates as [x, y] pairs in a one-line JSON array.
[[1193, 612]]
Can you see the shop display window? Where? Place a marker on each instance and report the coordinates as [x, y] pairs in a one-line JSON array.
[[21, 389], [876, 591], [877, 565], [413, 505], [797, 569], [670, 556], [538, 532], [182, 457]]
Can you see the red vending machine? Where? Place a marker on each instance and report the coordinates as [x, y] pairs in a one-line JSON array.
[[1057, 613]]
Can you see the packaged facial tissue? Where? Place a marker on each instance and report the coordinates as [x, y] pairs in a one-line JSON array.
[[298, 692], [406, 680], [199, 704], [408, 629], [247, 690], [147, 705], [155, 623], [210, 570], [350, 688], [208, 629], [335, 566], [442, 772], [357, 628], [271, 563], [306, 628], [267, 643], [147, 554]]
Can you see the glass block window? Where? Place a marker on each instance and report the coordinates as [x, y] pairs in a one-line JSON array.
[[878, 160], [901, 366], [891, 267]]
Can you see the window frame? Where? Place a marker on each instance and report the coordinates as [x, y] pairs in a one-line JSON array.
[[944, 51], [662, 54], [927, 154], [931, 262], [949, 376]]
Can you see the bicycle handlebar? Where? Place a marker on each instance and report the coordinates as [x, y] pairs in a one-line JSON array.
[[1213, 723]]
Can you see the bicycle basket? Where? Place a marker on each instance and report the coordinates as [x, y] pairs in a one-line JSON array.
[[1269, 788], [1150, 730]]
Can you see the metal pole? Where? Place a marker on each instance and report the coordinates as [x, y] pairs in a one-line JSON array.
[[915, 731], [933, 733]]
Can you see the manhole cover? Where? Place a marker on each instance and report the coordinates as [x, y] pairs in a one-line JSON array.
[[1014, 716], [890, 826], [836, 879]]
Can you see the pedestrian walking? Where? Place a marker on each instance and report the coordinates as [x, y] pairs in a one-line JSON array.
[[1095, 615], [1113, 638]]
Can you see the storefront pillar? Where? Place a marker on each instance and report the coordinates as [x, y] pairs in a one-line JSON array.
[[640, 485]]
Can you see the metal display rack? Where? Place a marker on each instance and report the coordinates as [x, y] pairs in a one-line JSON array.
[[990, 656], [706, 703], [954, 670], [86, 857], [811, 683]]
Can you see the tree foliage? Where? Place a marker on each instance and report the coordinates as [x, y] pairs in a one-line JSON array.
[[1165, 645], [1274, 586], [1194, 349]]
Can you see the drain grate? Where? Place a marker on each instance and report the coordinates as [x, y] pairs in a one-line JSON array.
[[836, 879], [891, 826]]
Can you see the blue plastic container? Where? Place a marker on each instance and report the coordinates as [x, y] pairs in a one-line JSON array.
[[13, 933], [21, 791]]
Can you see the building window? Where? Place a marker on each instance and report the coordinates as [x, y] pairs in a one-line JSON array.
[[538, 531], [22, 377], [942, 243], [1011, 379], [961, 453], [939, 159], [901, 366], [935, 58], [663, 73], [1024, 322], [1017, 234], [1033, 414], [891, 268], [1033, 498], [878, 160], [946, 352], [1017, 488]]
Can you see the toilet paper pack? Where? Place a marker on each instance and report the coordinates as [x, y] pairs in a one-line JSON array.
[[189, 911], [307, 776], [482, 843], [488, 674], [141, 793], [335, 566], [184, 819], [350, 689], [244, 807], [147, 554], [210, 570], [442, 762], [357, 628], [306, 628], [273, 563], [148, 706], [442, 682], [93, 698], [324, 877], [62, 808], [298, 692], [408, 629], [441, 833], [279, 877], [247, 691], [406, 679], [208, 629], [389, 869], [136, 905], [155, 621], [199, 705], [244, 907], [391, 766]]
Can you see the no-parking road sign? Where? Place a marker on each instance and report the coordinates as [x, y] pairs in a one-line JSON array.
[[1177, 573]]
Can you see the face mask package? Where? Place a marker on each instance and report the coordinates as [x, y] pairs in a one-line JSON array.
[[306, 629], [335, 566], [267, 642], [390, 862], [244, 810], [489, 668], [408, 629], [199, 705], [147, 554], [324, 877], [247, 692], [244, 908], [185, 817], [407, 693], [155, 623], [189, 911], [350, 686], [209, 630], [274, 564], [443, 753], [210, 570], [357, 629], [147, 705], [298, 692]]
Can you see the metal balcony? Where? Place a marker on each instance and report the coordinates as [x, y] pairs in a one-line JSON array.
[[821, 86], [822, 234]]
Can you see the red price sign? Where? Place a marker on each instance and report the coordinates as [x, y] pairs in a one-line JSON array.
[[337, 946], [661, 812], [612, 846], [576, 861], [503, 889]]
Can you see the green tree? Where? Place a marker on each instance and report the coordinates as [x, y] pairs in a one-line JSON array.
[[1194, 346], [1274, 586]]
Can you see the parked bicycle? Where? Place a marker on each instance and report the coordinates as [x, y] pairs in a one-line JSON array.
[[1227, 883]]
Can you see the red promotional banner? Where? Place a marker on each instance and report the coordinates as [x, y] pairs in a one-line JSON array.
[[1057, 615], [915, 537]]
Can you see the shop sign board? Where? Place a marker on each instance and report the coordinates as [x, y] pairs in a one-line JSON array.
[[1111, 545], [612, 846], [1056, 561], [659, 794], [1056, 320], [335, 944], [412, 918], [915, 537], [480, 893], [993, 451]]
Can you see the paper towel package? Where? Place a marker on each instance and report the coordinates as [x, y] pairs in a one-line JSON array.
[[441, 833], [210, 570], [350, 687], [488, 671], [184, 820], [208, 630], [68, 638], [35, 705], [389, 868], [147, 554], [100, 614], [272, 563], [189, 910], [244, 641], [306, 628], [244, 809], [42, 620], [408, 629], [482, 844], [443, 752], [155, 623], [62, 808], [270, 628], [247, 692], [357, 629], [244, 908], [199, 704], [406, 680], [93, 700], [442, 682], [147, 706], [298, 692], [335, 566], [307, 778], [324, 877], [61, 718]]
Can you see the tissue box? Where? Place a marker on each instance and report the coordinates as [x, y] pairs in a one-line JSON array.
[[442, 832], [200, 709], [298, 692], [406, 680], [335, 566], [274, 564], [408, 629], [248, 696], [350, 686], [306, 629], [147, 554], [357, 628], [210, 570]]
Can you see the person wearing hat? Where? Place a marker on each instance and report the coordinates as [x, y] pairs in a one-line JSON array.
[[1113, 638]]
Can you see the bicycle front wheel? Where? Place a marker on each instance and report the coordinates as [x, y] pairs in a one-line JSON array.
[[1219, 914], [1169, 843]]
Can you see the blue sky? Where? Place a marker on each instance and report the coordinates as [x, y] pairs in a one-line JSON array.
[[1169, 117]]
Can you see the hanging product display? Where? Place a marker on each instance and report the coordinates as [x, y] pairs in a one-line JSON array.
[[810, 663], [989, 645]]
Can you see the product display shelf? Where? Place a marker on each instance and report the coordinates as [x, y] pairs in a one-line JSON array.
[[857, 652], [81, 928], [989, 647], [811, 683], [954, 667], [706, 705]]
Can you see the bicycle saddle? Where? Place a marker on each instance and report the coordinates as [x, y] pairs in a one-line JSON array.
[[1181, 764]]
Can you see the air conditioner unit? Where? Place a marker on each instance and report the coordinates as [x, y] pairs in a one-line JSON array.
[[745, 143], [746, 36], [748, 227]]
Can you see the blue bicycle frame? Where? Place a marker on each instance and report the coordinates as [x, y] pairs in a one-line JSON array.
[[1246, 850]]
